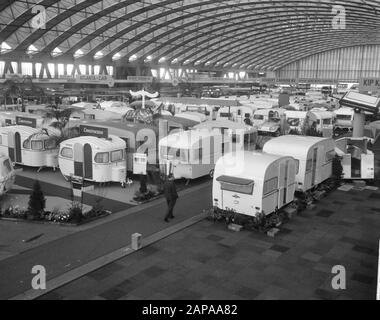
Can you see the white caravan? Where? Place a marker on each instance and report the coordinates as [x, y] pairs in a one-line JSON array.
[[29, 146], [94, 159], [314, 157], [251, 183], [192, 154]]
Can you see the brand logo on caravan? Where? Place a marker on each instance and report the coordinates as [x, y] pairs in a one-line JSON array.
[[22, 121], [93, 131]]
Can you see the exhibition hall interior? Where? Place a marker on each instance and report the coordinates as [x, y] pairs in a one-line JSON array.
[[217, 150]]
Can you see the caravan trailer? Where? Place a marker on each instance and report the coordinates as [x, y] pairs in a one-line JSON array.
[[269, 121], [251, 183], [344, 118], [325, 122], [192, 154], [7, 175], [94, 159], [357, 161], [314, 157], [236, 114], [29, 146], [237, 131], [299, 121]]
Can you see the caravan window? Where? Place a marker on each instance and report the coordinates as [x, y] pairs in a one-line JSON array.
[[326, 121], [89, 117], [297, 166], [50, 144], [344, 117], [117, 155], [26, 144], [37, 145], [309, 165], [258, 117], [330, 155], [182, 154], [270, 186], [67, 153], [225, 115], [234, 184], [102, 157]]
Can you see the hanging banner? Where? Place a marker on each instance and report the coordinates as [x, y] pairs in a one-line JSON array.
[[90, 79], [369, 84]]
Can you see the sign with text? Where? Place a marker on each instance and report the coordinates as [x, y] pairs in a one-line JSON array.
[[90, 79], [369, 84], [93, 131], [140, 162], [24, 121]]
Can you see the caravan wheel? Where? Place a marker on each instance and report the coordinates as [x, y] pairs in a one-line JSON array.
[[211, 174]]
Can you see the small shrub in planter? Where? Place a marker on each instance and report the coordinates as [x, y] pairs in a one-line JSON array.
[[75, 213], [37, 202]]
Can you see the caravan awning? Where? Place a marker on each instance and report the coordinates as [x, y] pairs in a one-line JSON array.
[[235, 180], [234, 184]]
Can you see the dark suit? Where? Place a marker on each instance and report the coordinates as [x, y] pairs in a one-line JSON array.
[[171, 196]]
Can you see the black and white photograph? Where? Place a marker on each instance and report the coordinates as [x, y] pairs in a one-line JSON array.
[[189, 155]]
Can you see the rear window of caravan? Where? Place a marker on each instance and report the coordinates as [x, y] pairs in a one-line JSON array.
[[67, 153], [26, 144], [37, 145], [117, 155], [237, 185], [50, 144], [102, 157]]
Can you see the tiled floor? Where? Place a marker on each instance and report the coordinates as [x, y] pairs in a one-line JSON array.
[[207, 261]]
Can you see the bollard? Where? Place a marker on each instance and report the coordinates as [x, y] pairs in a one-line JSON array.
[[136, 241]]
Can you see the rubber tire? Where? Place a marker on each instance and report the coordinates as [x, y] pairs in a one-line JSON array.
[[211, 174]]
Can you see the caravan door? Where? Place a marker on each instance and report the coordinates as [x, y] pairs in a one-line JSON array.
[[78, 160], [18, 148], [282, 183], [87, 150], [368, 166]]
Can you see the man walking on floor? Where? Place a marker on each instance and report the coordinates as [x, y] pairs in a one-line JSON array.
[[171, 196]]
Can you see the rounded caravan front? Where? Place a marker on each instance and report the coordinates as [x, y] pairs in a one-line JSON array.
[[29, 146], [314, 157], [251, 183], [299, 121], [191, 154], [94, 159], [325, 122], [7, 175], [344, 118]]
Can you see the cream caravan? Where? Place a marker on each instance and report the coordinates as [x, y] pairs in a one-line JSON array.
[[314, 157], [344, 118], [192, 154], [7, 175], [234, 131], [29, 146], [23, 119], [325, 122], [299, 121], [357, 161], [236, 114], [251, 183], [94, 159]]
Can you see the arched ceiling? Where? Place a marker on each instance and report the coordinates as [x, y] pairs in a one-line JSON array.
[[245, 34]]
